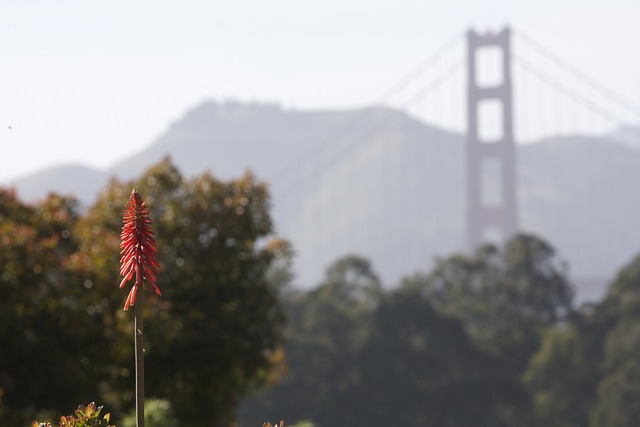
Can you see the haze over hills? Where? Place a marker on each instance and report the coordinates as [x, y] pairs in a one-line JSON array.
[[81, 181], [227, 138], [628, 135], [379, 183]]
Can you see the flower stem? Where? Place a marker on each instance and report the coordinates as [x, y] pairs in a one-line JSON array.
[[139, 358]]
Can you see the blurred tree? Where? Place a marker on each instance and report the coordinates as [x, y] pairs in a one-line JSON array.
[[157, 413], [617, 326], [45, 332], [214, 334], [327, 328], [361, 356], [338, 323], [562, 376], [419, 368], [505, 298], [586, 371]]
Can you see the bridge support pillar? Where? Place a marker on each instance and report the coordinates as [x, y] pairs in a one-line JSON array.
[[491, 204]]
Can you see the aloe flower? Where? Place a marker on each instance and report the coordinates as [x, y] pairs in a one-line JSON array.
[[138, 248]]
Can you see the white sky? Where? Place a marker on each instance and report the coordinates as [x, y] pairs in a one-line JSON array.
[[92, 82]]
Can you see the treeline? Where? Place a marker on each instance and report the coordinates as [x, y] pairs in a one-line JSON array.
[[213, 336], [490, 339]]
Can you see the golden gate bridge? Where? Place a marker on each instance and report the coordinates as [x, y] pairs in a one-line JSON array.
[[486, 168]]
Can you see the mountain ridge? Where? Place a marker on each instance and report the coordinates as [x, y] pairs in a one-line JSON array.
[[376, 181]]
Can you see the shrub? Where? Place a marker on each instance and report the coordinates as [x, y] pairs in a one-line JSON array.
[[84, 416]]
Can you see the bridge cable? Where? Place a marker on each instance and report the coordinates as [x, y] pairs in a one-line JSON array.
[[371, 130], [555, 58], [572, 94], [366, 113]]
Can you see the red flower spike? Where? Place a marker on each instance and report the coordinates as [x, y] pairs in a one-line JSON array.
[[138, 248]]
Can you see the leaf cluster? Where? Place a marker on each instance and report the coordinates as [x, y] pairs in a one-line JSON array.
[[84, 416]]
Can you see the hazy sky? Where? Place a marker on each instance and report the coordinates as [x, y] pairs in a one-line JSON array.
[[94, 81]]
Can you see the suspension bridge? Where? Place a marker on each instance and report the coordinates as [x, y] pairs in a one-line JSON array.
[[492, 135]]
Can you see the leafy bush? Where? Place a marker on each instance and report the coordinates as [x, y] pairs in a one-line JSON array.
[[84, 416]]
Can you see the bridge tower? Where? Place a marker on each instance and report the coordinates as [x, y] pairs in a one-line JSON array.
[[491, 211]]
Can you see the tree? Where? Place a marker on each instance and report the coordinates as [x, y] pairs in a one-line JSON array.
[[616, 326], [47, 335], [419, 368], [359, 355], [216, 332], [586, 371], [216, 328], [505, 298], [327, 327], [562, 376]]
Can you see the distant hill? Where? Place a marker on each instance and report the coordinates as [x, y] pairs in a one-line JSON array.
[[582, 194], [378, 182], [229, 137], [628, 135], [77, 180]]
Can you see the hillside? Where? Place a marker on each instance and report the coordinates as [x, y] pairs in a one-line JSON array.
[[380, 183], [80, 181], [581, 194], [226, 138]]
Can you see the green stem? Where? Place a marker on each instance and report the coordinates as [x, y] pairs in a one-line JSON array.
[[139, 355]]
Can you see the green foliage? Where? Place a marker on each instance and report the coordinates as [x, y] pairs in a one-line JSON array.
[[587, 371], [359, 355], [157, 413], [217, 327], [327, 328], [49, 339], [433, 374], [561, 377], [505, 297], [304, 423], [486, 340], [84, 416], [214, 336], [616, 325]]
